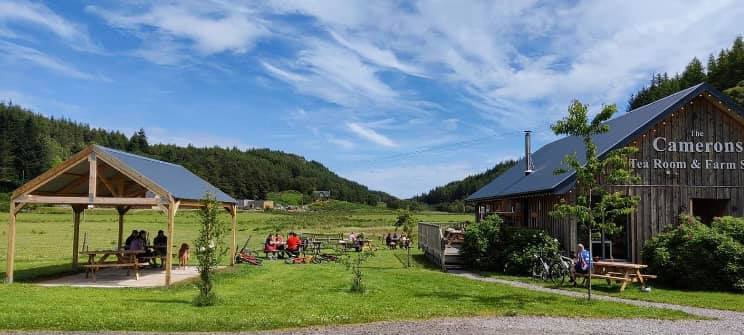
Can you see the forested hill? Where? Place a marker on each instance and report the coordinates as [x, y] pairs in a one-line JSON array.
[[451, 197], [724, 71], [31, 143]]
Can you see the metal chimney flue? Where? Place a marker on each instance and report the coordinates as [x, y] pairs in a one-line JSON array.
[[528, 166]]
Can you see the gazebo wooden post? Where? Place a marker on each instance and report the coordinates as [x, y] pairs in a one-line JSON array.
[[121, 211], [234, 239], [172, 208], [77, 210], [10, 259]]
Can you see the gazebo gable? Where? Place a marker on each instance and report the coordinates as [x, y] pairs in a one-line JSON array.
[[92, 177]]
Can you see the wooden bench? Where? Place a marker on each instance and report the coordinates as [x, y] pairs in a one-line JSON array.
[[91, 269], [621, 273]]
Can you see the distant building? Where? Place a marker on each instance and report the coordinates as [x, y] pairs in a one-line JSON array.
[[255, 204], [321, 195]]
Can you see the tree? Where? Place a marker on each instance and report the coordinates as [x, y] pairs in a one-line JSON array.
[[209, 249], [693, 74], [138, 142], [406, 221], [596, 206], [737, 93]]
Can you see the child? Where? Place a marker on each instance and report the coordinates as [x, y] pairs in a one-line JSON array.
[[183, 256]]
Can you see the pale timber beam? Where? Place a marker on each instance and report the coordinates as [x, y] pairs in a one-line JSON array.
[[106, 183], [92, 176], [77, 211], [121, 210], [234, 239], [38, 199], [53, 173], [73, 185], [10, 259], [172, 209]]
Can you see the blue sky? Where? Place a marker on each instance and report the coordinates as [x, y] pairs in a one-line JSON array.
[[400, 96]]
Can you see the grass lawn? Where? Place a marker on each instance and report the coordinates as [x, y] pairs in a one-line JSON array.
[[705, 299], [44, 236], [276, 295]]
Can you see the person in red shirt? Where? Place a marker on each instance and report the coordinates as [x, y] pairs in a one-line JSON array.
[[293, 244]]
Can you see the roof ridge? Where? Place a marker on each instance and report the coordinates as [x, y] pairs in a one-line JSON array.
[[664, 98], [137, 156]]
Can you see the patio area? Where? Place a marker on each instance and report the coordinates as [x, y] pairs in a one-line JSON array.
[[117, 278]]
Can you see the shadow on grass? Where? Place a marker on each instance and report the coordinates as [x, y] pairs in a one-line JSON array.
[[514, 301], [40, 273], [419, 260], [163, 301]]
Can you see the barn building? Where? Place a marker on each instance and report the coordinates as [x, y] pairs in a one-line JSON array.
[[690, 160]]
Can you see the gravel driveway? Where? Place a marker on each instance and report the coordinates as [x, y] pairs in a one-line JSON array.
[[727, 322]]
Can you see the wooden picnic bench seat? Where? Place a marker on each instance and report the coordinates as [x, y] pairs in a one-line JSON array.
[[91, 269]]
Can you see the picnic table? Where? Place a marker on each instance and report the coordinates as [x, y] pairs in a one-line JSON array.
[[315, 247], [98, 259], [621, 273], [360, 244]]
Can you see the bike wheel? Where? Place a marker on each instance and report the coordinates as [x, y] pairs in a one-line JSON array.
[[557, 273]]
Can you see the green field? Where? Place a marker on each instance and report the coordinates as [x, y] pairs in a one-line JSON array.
[[276, 295]]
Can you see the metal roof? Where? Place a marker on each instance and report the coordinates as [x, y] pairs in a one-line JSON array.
[[176, 179], [623, 129]]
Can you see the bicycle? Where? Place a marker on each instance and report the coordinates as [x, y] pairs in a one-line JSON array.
[[540, 268], [321, 258], [248, 258], [559, 269]]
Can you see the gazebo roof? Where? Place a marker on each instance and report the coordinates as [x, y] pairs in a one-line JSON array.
[[117, 175], [176, 179]]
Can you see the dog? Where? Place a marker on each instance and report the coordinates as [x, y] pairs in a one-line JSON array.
[[183, 256]]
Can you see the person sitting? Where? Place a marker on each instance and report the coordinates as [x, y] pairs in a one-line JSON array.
[[148, 254], [160, 244], [138, 244], [352, 238], [280, 244], [270, 247], [183, 256], [389, 241], [293, 245], [405, 242], [128, 242], [395, 240], [583, 262]]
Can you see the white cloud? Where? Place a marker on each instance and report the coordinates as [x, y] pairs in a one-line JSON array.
[[209, 26], [283, 74], [377, 56], [371, 135], [18, 54], [37, 14], [342, 143]]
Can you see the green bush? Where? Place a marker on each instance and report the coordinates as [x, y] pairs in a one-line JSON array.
[[696, 256], [480, 242], [489, 246], [520, 245]]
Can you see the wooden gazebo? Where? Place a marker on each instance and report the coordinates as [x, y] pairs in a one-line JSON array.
[[104, 177]]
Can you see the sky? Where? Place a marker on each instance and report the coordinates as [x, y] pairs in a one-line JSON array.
[[401, 96]]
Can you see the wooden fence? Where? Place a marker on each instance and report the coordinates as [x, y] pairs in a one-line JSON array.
[[432, 242]]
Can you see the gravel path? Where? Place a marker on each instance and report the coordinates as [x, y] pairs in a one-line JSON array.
[[726, 322]]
